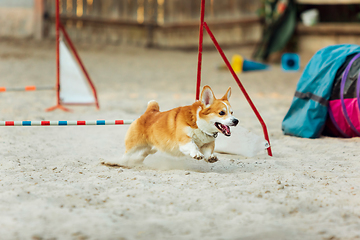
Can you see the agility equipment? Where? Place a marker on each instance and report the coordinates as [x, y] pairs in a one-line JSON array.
[[73, 83], [64, 123], [327, 95], [203, 25], [344, 104], [26, 88], [290, 62], [240, 64]]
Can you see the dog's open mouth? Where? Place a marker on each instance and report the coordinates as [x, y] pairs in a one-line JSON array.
[[224, 129]]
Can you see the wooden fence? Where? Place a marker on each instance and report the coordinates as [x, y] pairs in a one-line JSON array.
[[149, 22]]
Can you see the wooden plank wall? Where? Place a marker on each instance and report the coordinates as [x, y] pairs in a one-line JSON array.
[[141, 21]]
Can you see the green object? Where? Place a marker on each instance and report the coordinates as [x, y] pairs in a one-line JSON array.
[[280, 24]]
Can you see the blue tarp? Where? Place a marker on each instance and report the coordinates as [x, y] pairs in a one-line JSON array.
[[308, 111]]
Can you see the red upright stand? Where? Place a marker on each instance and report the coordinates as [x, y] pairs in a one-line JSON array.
[[87, 76], [201, 34], [59, 27], [201, 37], [57, 24]]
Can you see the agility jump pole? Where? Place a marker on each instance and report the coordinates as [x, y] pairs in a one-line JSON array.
[[26, 88], [64, 123], [203, 25]]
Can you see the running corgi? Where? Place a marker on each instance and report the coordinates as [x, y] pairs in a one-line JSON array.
[[189, 130]]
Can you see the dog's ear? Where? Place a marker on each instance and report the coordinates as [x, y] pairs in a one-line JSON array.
[[207, 96], [227, 94]]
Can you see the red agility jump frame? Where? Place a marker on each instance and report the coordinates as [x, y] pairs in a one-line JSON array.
[[60, 27], [201, 36]]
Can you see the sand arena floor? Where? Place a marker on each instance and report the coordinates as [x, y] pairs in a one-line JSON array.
[[52, 185]]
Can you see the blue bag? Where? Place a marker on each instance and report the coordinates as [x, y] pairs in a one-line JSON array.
[[308, 111]]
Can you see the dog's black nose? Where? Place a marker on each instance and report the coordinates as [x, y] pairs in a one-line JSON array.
[[235, 121]]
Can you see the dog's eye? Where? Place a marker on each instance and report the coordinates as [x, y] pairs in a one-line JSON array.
[[222, 113], [232, 113]]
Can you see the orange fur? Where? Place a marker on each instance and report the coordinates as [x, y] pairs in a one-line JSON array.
[[188, 130], [162, 129]]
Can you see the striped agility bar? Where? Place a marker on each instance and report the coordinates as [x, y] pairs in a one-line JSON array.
[[26, 88], [65, 123]]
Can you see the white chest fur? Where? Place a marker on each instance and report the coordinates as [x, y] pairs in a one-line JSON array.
[[199, 137]]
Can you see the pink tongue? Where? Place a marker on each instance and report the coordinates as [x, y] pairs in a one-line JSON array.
[[227, 129]]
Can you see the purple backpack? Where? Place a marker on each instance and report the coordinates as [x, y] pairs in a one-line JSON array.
[[344, 104]]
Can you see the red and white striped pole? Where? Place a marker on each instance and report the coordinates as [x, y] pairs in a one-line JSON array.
[[64, 123]]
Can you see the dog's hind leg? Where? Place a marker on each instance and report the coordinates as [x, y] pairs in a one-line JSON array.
[[133, 157], [137, 156], [136, 146]]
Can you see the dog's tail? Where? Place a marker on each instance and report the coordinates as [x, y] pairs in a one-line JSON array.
[[153, 106]]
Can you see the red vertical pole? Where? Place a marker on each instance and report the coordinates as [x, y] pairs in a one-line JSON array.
[[266, 136], [58, 51], [57, 36], [201, 36]]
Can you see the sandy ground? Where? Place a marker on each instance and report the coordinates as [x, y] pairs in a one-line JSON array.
[[52, 185]]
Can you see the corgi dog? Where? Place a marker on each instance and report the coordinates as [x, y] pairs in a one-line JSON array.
[[189, 130]]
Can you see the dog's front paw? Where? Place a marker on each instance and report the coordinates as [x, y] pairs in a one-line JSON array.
[[212, 159], [197, 156]]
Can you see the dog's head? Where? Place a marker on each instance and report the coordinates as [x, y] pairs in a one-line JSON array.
[[215, 115]]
